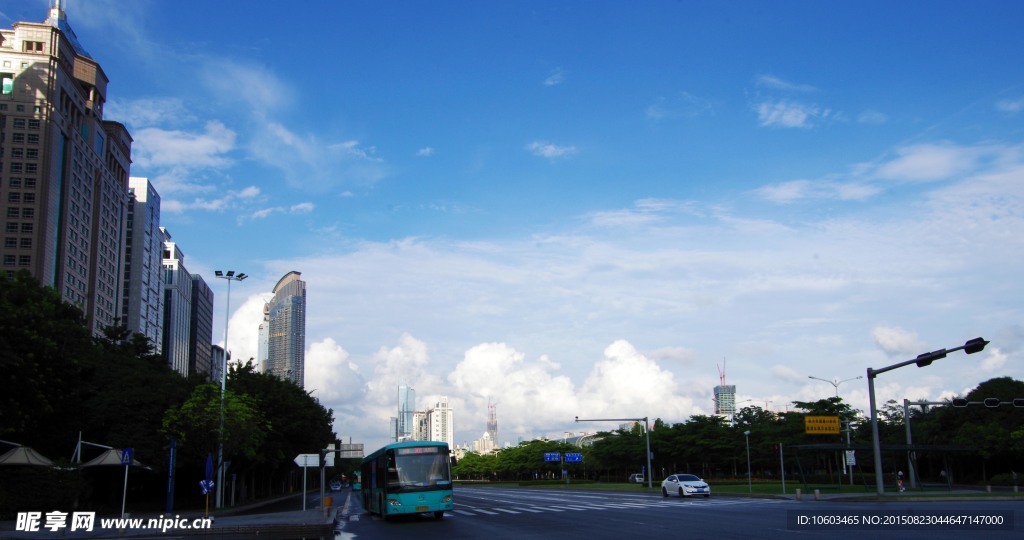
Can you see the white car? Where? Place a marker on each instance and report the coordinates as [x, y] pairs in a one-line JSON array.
[[686, 485]]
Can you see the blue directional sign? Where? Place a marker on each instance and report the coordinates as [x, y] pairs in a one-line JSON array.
[[572, 457], [552, 456], [127, 455]]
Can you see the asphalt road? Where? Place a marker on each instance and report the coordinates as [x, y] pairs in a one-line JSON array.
[[515, 514]]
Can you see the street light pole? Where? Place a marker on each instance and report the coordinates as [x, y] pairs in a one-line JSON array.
[[835, 382], [750, 485], [229, 276], [924, 359]]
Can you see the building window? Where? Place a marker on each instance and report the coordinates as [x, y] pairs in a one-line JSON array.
[[17, 153], [16, 168], [8, 83], [24, 260], [15, 182], [10, 242], [26, 228], [18, 138], [28, 213], [32, 153], [12, 212], [31, 168], [33, 123], [32, 46], [25, 243], [33, 138], [18, 123], [14, 197], [11, 227], [9, 260], [30, 183], [29, 198]]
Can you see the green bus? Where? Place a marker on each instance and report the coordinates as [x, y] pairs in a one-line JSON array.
[[408, 478]]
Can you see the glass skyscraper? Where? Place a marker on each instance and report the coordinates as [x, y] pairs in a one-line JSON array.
[[286, 342]]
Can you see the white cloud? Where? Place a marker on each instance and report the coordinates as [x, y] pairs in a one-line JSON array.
[[995, 361], [775, 83], [157, 148], [425, 152], [556, 78], [896, 341], [681, 105], [872, 118], [331, 374], [147, 112], [926, 162], [1010, 106], [788, 114], [549, 150]]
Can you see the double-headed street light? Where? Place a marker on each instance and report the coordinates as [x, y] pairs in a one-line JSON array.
[[924, 359], [230, 275], [835, 382]]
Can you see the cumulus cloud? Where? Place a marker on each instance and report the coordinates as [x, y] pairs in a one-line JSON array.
[[425, 152], [549, 150], [995, 361], [330, 372]]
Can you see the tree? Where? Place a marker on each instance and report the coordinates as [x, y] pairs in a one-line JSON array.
[[196, 424]]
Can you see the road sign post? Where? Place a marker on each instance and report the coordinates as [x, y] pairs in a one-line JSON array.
[[127, 456]]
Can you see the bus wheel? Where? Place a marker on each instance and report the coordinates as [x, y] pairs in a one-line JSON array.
[[439, 514]]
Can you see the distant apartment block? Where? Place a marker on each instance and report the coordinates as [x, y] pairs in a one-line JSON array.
[[200, 335], [142, 309], [177, 306]]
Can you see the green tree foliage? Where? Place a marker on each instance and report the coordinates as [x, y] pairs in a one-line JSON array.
[[57, 380], [196, 424], [45, 352]]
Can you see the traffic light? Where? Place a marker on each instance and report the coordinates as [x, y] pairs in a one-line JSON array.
[[323, 458], [959, 402], [992, 402], [337, 454], [974, 345], [1018, 402], [927, 358]]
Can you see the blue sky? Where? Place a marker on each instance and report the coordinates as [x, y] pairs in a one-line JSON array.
[[586, 208]]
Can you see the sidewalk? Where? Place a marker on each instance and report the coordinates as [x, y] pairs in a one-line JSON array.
[[311, 523]]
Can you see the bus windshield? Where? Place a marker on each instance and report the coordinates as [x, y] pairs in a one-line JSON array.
[[414, 469]]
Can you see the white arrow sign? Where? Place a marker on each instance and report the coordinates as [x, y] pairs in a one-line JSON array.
[[313, 460]]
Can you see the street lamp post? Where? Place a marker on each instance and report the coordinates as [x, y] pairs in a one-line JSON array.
[[970, 347], [835, 382], [750, 485], [230, 276]]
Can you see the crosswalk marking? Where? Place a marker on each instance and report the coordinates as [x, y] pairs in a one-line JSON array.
[[589, 506]]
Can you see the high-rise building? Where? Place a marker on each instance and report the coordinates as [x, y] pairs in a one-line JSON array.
[[725, 399], [177, 306], [143, 295], [492, 422], [200, 334], [64, 183], [406, 410], [286, 344], [442, 422]]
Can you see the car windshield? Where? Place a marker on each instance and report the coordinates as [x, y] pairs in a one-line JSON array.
[[687, 478]]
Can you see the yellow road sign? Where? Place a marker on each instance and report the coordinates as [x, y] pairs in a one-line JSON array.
[[821, 425]]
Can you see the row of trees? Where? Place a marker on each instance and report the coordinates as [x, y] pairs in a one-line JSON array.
[[58, 383], [977, 443]]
